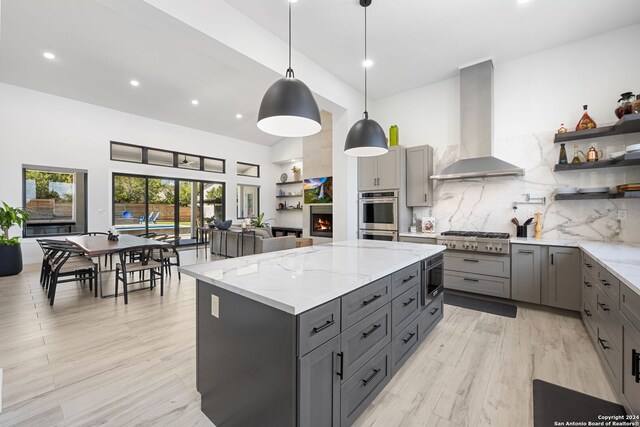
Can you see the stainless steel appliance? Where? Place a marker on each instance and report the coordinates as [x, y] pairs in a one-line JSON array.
[[432, 278], [475, 241], [388, 236], [378, 210]]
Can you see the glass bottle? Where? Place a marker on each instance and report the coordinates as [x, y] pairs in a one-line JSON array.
[[636, 104], [625, 104], [586, 122], [576, 159], [562, 129], [563, 155]]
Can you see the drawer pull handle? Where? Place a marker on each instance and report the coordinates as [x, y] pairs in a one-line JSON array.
[[471, 260], [587, 312], [325, 326], [471, 280], [525, 252], [370, 331], [434, 311], [404, 304], [368, 380], [341, 373], [587, 284], [588, 265], [413, 276], [372, 299], [407, 339], [604, 282], [605, 347], [603, 306], [635, 358]]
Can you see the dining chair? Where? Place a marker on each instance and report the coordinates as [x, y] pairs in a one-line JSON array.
[[144, 262], [67, 263], [106, 256], [171, 256]]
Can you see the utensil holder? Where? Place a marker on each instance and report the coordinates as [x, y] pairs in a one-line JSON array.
[[521, 231]]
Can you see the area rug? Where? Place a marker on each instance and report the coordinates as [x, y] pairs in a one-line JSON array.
[[554, 405], [492, 307]]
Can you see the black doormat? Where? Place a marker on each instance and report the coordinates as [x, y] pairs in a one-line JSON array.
[[554, 405], [507, 310]]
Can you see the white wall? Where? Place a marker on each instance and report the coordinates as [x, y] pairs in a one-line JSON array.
[[533, 95], [46, 130]]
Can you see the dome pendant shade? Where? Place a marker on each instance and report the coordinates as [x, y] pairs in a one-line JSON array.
[[365, 139], [288, 109]]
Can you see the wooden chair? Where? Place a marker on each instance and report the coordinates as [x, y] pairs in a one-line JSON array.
[[68, 264], [171, 256], [144, 262]]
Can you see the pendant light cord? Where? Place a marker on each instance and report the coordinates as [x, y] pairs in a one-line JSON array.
[[290, 70], [366, 113]]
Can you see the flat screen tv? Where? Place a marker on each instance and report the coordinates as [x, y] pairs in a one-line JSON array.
[[318, 190]]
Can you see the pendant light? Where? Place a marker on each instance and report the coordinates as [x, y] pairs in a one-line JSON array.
[[366, 138], [288, 108]]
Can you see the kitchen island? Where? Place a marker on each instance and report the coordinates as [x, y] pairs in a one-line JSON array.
[[310, 336]]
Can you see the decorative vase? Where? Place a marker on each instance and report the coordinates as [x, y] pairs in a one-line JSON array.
[[538, 229], [586, 122], [296, 176], [393, 136], [10, 260]]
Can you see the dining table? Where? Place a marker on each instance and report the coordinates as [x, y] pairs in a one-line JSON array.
[[95, 246]]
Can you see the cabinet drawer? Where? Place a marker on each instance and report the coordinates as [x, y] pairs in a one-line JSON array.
[[630, 305], [430, 316], [478, 264], [590, 265], [631, 367], [588, 288], [358, 392], [477, 283], [610, 285], [404, 279], [589, 318], [405, 308], [318, 325], [360, 303], [423, 240], [610, 318], [365, 339], [612, 355], [404, 344]]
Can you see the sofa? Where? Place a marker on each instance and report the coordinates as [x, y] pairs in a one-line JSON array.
[[227, 243]]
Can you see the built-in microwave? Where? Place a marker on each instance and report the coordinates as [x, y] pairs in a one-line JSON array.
[[378, 211], [432, 278]]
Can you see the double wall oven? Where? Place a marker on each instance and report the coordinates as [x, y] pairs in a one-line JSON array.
[[378, 215]]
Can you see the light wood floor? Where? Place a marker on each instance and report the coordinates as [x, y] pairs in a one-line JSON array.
[[93, 361]]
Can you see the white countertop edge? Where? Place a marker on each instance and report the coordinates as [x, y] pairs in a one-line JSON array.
[[544, 242], [627, 281]]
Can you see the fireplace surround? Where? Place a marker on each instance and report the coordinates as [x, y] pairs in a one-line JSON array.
[[321, 221]]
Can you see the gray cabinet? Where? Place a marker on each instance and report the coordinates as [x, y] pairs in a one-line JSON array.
[[419, 171], [564, 278], [631, 366], [525, 273], [381, 172], [319, 386]]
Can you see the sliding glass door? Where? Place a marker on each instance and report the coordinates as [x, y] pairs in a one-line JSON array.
[[165, 206]]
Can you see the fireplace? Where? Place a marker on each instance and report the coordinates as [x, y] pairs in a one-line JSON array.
[[321, 221]]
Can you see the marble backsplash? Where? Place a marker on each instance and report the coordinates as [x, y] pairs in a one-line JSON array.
[[487, 204]]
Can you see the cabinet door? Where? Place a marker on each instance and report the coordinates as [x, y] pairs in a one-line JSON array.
[[319, 386], [564, 278], [631, 366], [367, 173], [525, 273], [419, 170], [389, 169]]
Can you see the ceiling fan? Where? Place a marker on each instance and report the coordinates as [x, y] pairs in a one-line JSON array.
[[186, 162]]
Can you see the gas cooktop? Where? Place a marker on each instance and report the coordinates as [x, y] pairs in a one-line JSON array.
[[482, 234], [475, 241]]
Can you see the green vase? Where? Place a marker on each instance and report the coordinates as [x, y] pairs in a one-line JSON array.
[[393, 135]]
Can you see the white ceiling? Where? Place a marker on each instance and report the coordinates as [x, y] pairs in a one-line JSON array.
[[418, 42], [100, 45]]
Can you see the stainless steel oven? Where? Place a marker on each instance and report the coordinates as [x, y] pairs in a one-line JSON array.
[[388, 236], [432, 278], [378, 211]]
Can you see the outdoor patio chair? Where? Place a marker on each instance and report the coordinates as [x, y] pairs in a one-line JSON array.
[[155, 218]]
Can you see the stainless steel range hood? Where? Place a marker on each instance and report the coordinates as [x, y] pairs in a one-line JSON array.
[[476, 132]]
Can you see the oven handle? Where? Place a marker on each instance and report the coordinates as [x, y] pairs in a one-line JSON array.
[[377, 232], [381, 200]]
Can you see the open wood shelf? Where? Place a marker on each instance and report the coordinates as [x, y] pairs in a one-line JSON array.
[[629, 159], [289, 182], [629, 123], [593, 196], [292, 209], [290, 195]]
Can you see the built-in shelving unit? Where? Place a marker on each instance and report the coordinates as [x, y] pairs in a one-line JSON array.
[[629, 123], [289, 182], [593, 196], [629, 159]]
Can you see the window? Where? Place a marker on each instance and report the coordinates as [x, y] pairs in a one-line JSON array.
[[56, 200], [248, 169], [151, 156], [171, 206], [248, 201]]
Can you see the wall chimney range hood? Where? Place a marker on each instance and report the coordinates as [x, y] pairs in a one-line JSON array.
[[476, 132]]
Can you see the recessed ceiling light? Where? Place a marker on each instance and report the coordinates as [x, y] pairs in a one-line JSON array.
[[49, 55], [134, 83], [293, 1], [195, 102], [523, 2], [367, 63], [238, 116]]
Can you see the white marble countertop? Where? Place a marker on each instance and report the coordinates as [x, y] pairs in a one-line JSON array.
[[425, 235], [545, 242], [297, 280], [620, 259]]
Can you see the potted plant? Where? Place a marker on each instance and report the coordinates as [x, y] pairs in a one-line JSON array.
[[259, 222], [296, 173], [10, 250]]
